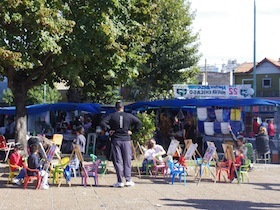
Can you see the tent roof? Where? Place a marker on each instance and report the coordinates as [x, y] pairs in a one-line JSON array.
[[39, 108], [180, 103]]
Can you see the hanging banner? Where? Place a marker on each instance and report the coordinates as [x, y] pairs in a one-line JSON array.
[[212, 91]]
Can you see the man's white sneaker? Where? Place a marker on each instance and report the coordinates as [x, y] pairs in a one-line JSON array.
[[129, 184], [16, 181], [118, 184], [44, 187]]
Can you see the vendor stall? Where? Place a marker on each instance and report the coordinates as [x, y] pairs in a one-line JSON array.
[[214, 115]]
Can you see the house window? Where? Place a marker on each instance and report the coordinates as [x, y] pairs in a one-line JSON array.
[[266, 83], [247, 82]]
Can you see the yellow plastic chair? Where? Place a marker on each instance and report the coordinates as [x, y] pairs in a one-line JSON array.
[[57, 140], [12, 173], [58, 170]]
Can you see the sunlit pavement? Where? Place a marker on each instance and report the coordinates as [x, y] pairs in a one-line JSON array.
[[262, 192]]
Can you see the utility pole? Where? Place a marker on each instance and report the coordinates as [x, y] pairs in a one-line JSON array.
[[254, 69], [205, 73]]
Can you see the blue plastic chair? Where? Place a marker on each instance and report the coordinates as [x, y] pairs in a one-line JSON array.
[[177, 170]]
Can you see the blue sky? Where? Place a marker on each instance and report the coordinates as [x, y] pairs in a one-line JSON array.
[[226, 29]]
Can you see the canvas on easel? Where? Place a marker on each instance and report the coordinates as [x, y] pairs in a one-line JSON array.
[[173, 147], [48, 156], [205, 163], [188, 143], [191, 151], [215, 155], [228, 152]]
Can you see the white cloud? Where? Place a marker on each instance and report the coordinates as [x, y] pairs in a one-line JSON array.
[[227, 29]]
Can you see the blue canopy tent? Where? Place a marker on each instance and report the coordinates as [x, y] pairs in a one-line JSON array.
[[181, 103], [39, 108]]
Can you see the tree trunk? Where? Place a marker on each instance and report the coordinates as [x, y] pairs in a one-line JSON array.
[[20, 95]]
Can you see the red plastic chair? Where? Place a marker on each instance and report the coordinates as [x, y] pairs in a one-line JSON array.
[[30, 179], [90, 170], [6, 147], [223, 168]]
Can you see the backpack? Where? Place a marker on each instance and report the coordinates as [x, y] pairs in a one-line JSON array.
[[108, 153], [67, 173]]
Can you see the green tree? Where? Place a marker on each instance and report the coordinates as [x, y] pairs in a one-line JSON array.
[[173, 47], [35, 95], [148, 128], [114, 34], [32, 33]]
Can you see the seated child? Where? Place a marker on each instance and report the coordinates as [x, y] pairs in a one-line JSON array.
[[154, 151], [239, 160], [16, 159], [35, 163]]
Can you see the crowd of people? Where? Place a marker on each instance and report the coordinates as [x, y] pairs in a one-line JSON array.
[[118, 128]]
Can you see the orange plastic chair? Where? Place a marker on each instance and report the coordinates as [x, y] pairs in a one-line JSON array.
[[12, 173], [30, 179], [90, 170]]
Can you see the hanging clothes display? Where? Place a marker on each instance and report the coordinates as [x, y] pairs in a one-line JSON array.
[[219, 115], [235, 114], [209, 128], [202, 113], [224, 127]]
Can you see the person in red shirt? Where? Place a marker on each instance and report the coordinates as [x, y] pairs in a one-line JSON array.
[[16, 159], [270, 129], [256, 126], [239, 160]]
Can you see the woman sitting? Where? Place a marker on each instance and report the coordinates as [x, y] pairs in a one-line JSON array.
[[154, 151]]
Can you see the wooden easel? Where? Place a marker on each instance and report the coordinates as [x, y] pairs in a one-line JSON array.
[[215, 155], [174, 147], [229, 155], [48, 156], [138, 156], [188, 143], [205, 163], [76, 151]]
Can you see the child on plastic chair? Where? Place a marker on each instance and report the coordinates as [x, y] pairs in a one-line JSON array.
[[35, 163], [16, 159]]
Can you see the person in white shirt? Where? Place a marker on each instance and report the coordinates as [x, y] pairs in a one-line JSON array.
[[81, 139], [154, 151]]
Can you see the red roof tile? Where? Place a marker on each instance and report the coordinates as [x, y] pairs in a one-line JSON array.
[[248, 67]]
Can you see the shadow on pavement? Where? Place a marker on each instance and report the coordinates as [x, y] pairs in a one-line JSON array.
[[219, 204], [267, 186]]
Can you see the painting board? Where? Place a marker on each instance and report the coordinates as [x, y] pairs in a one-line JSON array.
[[205, 163], [215, 155], [191, 151], [208, 154], [228, 152], [174, 144]]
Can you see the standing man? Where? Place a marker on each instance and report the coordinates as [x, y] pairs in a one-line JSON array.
[[121, 125]]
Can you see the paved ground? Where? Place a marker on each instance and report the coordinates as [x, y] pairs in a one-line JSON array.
[[263, 192]]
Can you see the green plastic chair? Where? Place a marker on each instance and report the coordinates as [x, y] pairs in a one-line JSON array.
[[250, 151], [59, 168], [243, 171]]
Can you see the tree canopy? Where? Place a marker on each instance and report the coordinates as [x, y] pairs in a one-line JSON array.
[[95, 46], [32, 33]]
